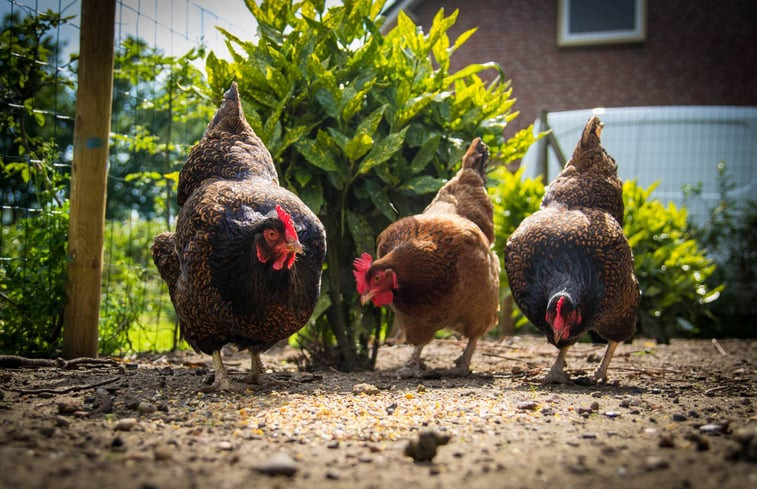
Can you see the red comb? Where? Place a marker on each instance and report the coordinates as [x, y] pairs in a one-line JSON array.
[[289, 231], [362, 265]]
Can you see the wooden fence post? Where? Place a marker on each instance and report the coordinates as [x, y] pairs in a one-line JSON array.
[[88, 178]]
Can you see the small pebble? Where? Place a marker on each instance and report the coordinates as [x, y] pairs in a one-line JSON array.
[[62, 422], [714, 428], [679, 417], [146, 407], [131, 402], [278, 464], [118, 444], [125, 424], [225, 446], [612, 414], [163, 451], [589, 436], [594, 406], [656, 463], [666, 441], [547, 411], [368, 389], [69, 406], [527, 405]]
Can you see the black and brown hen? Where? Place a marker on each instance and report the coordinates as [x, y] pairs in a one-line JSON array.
[[569, 265], [244, 265]]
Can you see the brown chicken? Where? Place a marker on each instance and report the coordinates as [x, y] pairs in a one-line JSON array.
[[436, 269], [244, 265], [569, 265]]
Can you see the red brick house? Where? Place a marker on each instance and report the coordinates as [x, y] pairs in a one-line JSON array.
[[686, 52]]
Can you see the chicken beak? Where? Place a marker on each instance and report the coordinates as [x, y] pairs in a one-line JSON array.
[[367, 297], [559, 333], [295, 247]]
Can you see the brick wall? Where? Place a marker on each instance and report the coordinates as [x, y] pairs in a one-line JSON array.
[[697, 52]]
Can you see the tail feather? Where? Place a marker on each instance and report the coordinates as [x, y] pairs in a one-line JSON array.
[[166, 259], [477, 157]]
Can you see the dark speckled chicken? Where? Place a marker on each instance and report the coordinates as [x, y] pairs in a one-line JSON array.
[[244, 265], [436, 269], [569, 265]]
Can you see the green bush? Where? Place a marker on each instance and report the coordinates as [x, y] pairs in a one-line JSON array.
[[730, 236], [32, 283], [364, 127], [672, 270]]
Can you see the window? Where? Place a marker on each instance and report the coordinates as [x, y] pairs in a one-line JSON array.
[[581, 22]]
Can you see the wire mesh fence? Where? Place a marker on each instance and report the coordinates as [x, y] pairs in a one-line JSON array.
[[159, 52]]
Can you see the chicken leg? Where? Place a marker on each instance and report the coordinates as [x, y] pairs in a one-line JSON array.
[[556, 374], [600, 374], [462, 364], [412, 367], [222, 381], [258, 375]]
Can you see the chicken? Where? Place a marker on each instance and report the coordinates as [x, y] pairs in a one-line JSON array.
[[569, 265], [244, 265], [437, 269]]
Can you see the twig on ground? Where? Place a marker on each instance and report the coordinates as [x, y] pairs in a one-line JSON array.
[[650, 371], [505, 357], [717, 346], [15, 361], [66, 390], [715, 389]]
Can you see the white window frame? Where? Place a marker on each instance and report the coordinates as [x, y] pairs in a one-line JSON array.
[[566, 38]]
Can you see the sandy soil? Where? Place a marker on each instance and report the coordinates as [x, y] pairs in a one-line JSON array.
[[678, 416]]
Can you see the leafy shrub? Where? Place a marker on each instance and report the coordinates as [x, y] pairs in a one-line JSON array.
[[32, 283], [672, 270], [364, 127], [730, 235]]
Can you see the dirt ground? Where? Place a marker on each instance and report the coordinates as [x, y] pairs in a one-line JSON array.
[[678, 416]]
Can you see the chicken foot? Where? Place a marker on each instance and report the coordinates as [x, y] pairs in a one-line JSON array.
[[600, 374], [413, 366], [258, 375], [462, 364], [222, 381], [556, 374]]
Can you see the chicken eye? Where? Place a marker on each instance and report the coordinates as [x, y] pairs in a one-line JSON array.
[[271, 234]]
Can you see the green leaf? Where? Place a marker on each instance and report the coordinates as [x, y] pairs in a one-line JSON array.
[[362, 234], [316, 155], [380, 199], [358, 146], [424, 184], [425, 154], [312, 195], [382, 151]]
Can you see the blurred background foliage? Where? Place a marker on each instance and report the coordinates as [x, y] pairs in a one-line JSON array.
[[364, 126]]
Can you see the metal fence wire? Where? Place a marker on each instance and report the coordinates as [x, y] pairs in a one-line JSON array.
[[39, 44]]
